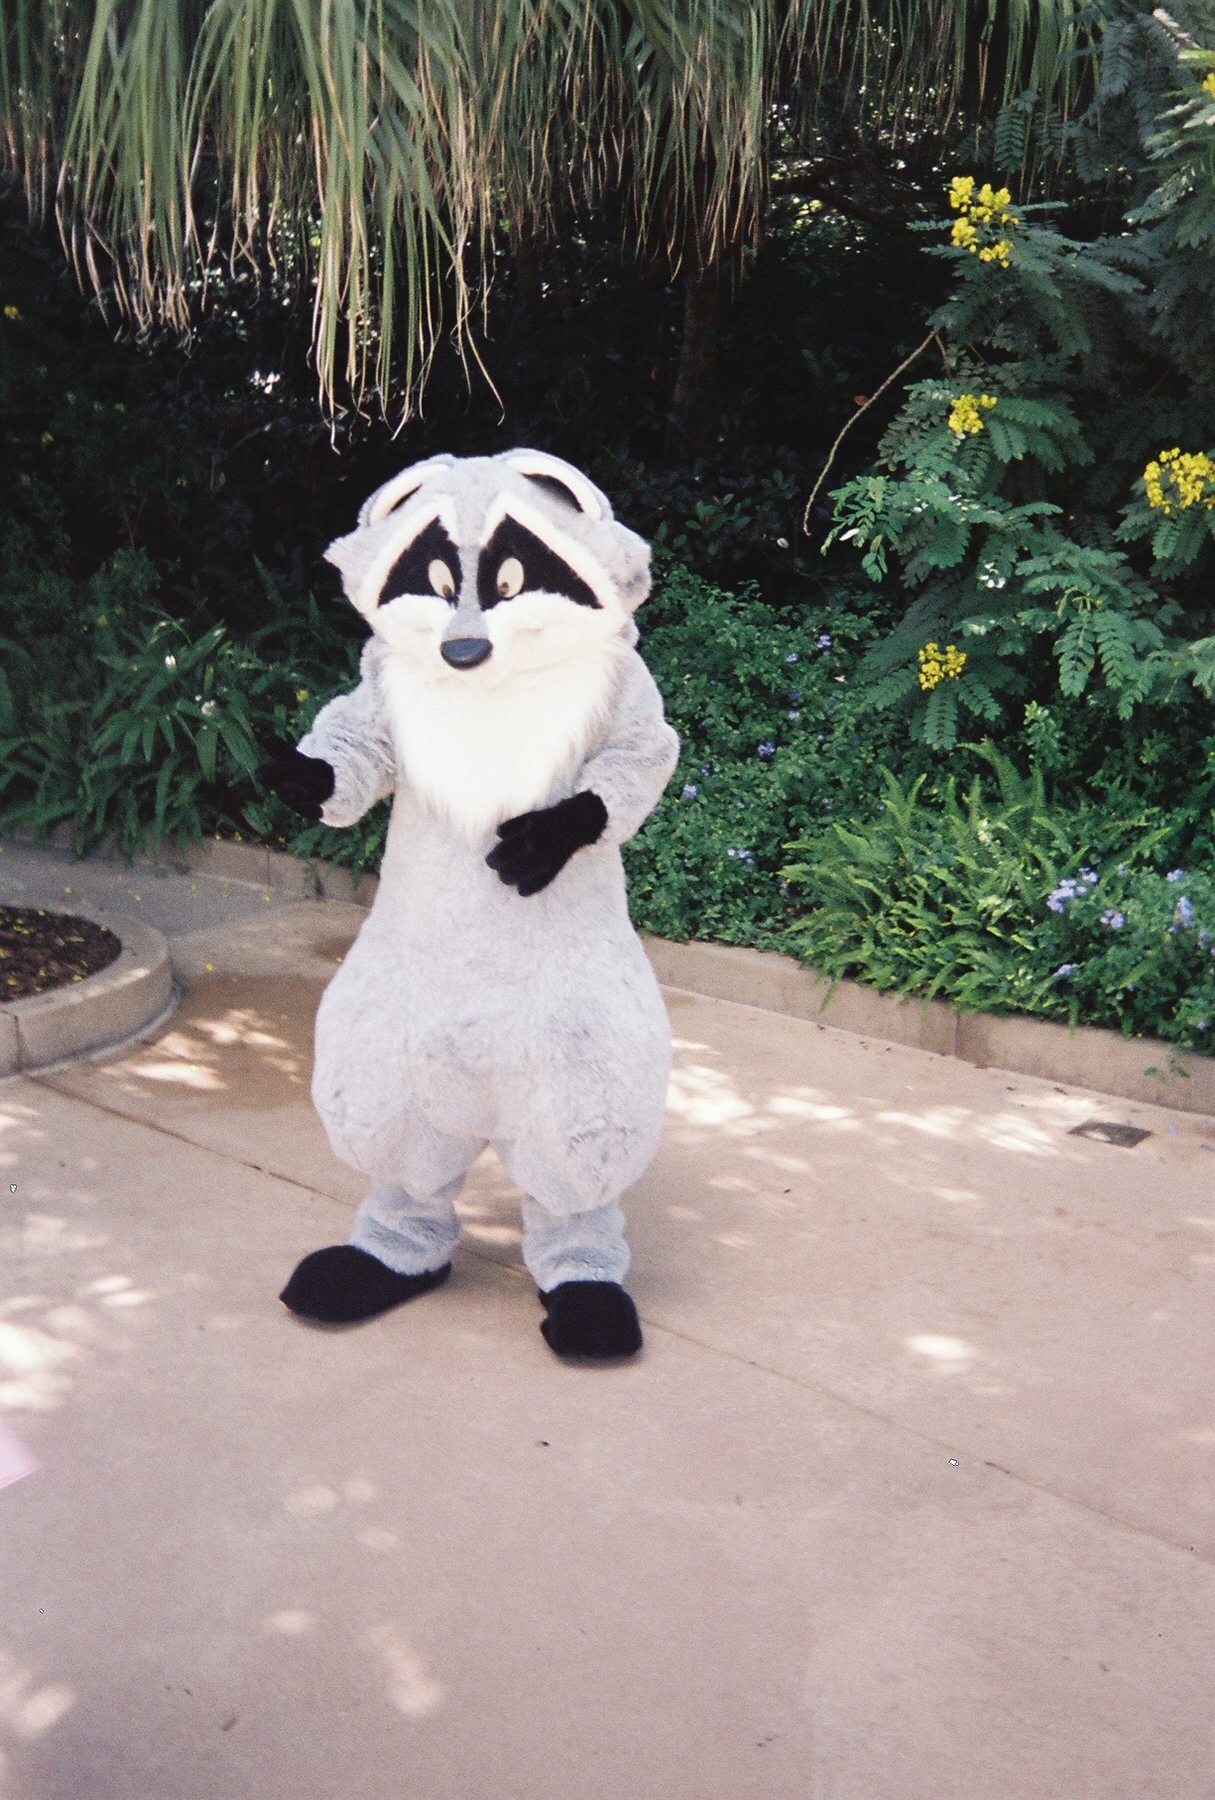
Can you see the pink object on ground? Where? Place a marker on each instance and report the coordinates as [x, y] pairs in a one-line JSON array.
[[15, 1459]]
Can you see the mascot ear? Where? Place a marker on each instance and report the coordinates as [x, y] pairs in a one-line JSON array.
[[394, 493], [352, 556], [631, 561], [563, 479]]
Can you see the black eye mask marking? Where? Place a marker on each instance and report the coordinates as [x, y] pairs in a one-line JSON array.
[[414, 573], [543, 569]]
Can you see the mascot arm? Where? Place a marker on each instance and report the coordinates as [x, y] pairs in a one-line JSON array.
[[618, 787], [636, 759], [349, 734]]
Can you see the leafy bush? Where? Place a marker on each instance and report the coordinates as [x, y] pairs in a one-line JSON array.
[[996, 905], [1055, 482], [774, 742], [929, 900], [1138, 948], [121, 733]]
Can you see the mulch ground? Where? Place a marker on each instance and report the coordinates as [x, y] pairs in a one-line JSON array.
[[41, 950]]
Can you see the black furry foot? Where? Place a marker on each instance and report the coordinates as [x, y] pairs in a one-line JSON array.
[[343, 1285], [591, 1318]]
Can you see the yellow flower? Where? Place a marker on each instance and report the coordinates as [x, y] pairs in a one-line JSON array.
[[989, 208], [47, 438], [937, 665], [301, 693], [966, 414], [10, 312], [1179, 479], [1209, 84]]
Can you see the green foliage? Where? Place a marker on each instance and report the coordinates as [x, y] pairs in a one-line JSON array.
[[1010, 491], [358, 157], [121, 733], [932, 900], [1138, 945], [772, 742], [990, 901]]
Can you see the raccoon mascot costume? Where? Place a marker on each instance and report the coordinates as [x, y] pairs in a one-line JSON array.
[[497, 992]]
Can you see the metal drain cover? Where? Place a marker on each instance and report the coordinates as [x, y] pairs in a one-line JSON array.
[[1125, 1136]]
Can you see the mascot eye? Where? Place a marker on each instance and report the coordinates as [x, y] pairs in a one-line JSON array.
[[441, 579], [510, 578], [430, 565], [515, 558]]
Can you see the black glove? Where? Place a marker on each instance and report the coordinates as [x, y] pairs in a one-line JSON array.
[[537, 845], [301, 782]]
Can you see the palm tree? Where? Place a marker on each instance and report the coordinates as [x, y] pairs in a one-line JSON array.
[[365, 150]]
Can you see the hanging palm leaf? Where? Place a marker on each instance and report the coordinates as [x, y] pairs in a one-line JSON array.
[[363, 150]]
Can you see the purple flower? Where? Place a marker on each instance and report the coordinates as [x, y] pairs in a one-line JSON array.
[[795, 716], [766, 750], [690, 792], [1175, 875], [792, 657], [1064, 970], [1185, 913], [1115, 920], [825, 640], [1071, 889]]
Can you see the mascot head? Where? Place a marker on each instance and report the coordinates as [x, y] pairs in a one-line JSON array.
[[485, 569]]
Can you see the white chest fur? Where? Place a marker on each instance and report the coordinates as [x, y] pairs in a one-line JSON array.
[[477, 754]]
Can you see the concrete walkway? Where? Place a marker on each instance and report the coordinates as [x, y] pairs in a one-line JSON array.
[[909, 1496]]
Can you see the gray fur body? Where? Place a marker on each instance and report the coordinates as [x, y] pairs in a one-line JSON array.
[[466, 1015]]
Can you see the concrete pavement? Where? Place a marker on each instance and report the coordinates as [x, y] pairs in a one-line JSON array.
[[909, 1496]]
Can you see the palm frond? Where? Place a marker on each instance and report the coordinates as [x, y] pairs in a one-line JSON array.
[[364, 150]]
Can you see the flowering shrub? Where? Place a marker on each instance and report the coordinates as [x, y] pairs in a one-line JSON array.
[[1041, 507], [1180, 480], [1143, 945], [980, 213], [996, 905], [937, 665], [966, 414]]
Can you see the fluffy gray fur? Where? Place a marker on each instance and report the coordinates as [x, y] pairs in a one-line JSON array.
[[464, 1014]]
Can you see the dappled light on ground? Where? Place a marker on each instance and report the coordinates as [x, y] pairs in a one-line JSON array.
[[947, 1355], [31, 1374], [244, 1042], [408, 1686], [30, 1705]]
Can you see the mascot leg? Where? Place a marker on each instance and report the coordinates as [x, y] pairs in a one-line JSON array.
[[399, 1248], [578, 1261]]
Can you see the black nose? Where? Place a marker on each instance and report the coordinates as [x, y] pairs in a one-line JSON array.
[[466, 653]]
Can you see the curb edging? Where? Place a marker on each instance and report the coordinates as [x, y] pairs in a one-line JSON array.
[[1144, 1069], [98, 1012]]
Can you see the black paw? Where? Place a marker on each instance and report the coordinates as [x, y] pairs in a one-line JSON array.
[[342, 1285], [537, 845], [591, 1318], [303, 783]]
